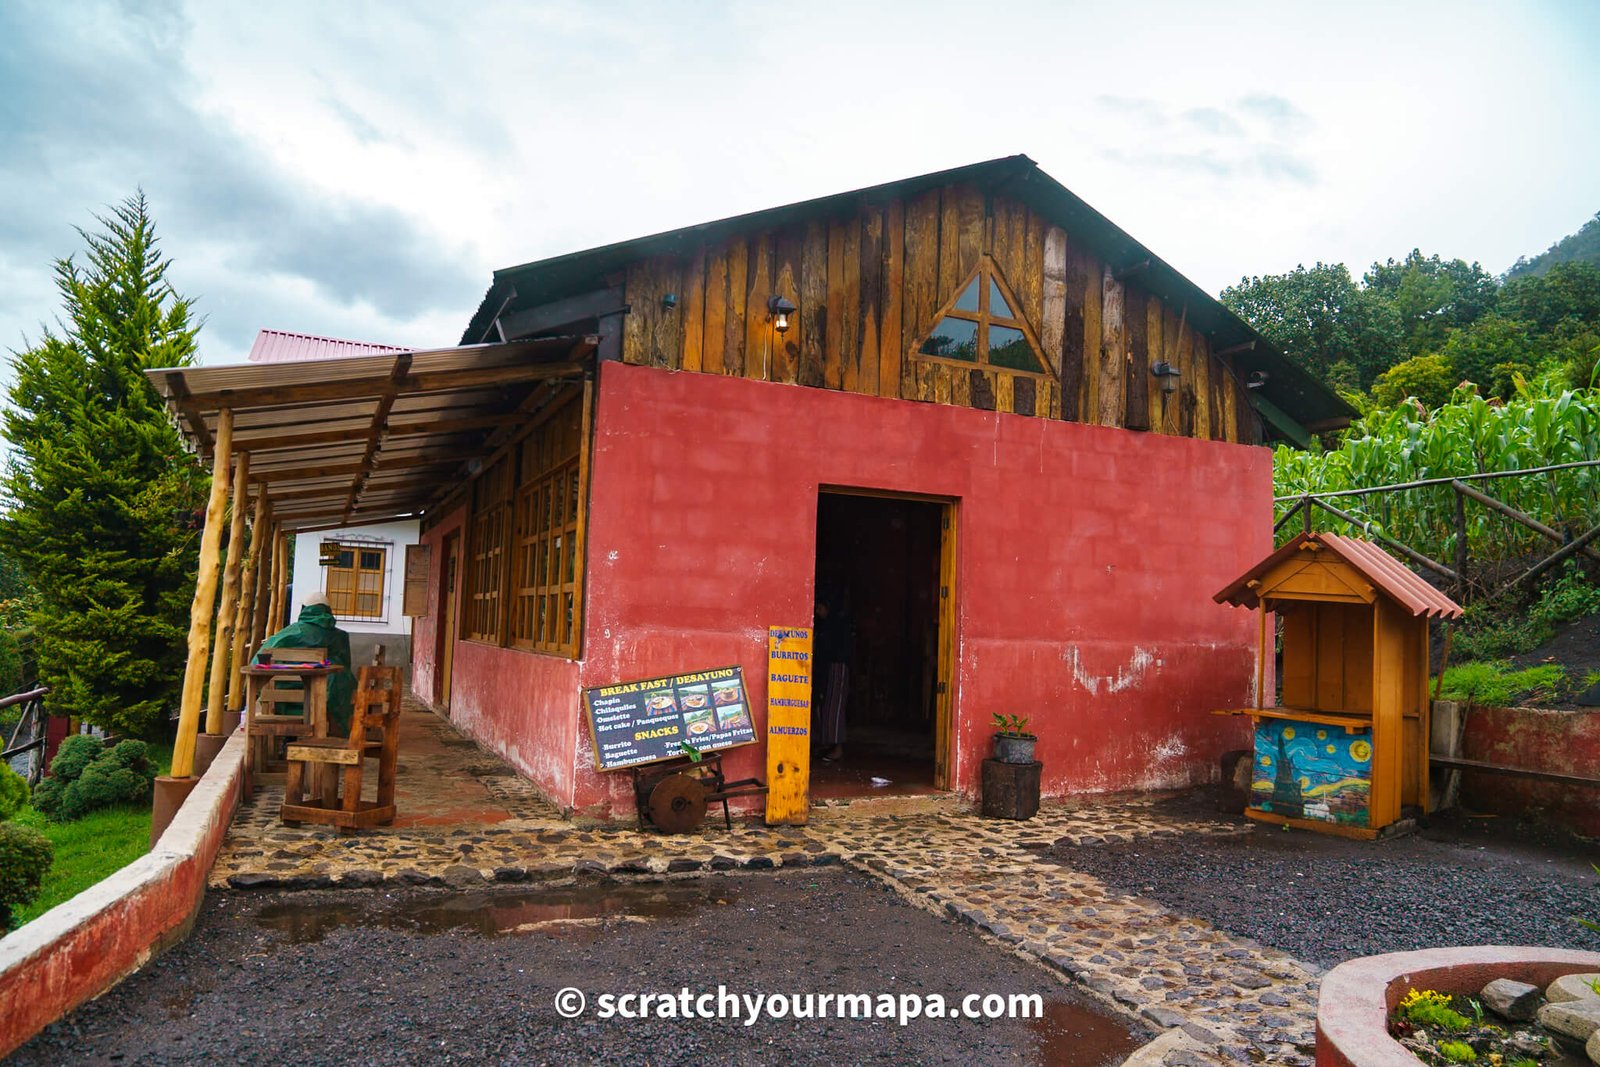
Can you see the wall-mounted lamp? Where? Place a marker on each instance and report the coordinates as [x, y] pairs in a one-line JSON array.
[[1257, 379], [781, 309], [1168, 375], [669, 301]]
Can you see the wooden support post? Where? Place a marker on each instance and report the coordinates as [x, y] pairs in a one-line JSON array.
[[222, 649], [1461, 543], [282, 618], [244, 619], [274, 609], [201, 608], [1261, 664], [263, 597]]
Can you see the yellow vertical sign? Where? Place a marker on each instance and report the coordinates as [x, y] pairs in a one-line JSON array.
[[788, 724]]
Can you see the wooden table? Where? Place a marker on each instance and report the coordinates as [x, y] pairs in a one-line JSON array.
[[314, 681]]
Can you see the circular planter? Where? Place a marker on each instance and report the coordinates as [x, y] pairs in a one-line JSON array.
[[1357, 996]]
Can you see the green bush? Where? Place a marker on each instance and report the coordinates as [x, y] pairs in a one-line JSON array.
[[85, 776], [1430, 379], [1494, 684], [13, 792], [25, 854]]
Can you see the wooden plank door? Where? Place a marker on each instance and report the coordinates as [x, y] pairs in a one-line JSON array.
[[944, 685]]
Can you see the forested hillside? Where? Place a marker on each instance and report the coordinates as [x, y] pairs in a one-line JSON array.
[[1580, 247], [1422, 325]]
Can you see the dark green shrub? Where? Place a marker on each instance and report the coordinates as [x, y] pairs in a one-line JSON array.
[[13, 792], [84, 777], [25, 855]]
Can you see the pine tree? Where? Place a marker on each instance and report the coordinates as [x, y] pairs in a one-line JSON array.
[[101, 495]]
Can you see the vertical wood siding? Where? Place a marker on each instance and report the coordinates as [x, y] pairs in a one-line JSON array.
[[869, 284]]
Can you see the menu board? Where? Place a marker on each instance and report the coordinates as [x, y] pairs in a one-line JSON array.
[[651, 720]]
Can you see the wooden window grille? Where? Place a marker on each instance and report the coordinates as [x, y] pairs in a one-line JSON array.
[[486, 552], [354, 583], [546, 570], [981, 327]]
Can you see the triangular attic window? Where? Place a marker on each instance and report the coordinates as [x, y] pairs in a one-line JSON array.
[[981, 326]]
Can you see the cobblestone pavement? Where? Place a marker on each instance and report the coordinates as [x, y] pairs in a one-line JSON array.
[[1221, 999]]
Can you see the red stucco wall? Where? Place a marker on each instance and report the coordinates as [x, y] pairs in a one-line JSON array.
[[1566, 742], [1087, 558]]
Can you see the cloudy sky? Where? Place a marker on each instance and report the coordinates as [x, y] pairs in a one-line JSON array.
[[359, 169]]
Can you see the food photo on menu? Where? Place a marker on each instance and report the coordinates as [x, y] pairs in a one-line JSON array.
[[698, 717], [732, 716], [725, 692], [660, 702]]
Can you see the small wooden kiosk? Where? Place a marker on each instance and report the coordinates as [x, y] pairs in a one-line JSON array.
[[1349, 745]]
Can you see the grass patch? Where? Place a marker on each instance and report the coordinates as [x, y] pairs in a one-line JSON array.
[[91, 848], [1496, 684]]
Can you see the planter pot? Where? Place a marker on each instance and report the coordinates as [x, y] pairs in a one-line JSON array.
[[1014, 748], [1010, 790]]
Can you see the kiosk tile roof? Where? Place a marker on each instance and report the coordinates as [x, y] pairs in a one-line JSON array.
[[1387, 574]]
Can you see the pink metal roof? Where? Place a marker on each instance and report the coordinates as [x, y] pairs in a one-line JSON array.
[[1387, 574], [280, 346]]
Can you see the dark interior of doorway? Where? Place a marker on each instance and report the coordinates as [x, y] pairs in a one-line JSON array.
[[878, 576]]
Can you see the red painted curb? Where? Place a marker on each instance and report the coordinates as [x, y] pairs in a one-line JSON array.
[[84, 946], [1356, 998]]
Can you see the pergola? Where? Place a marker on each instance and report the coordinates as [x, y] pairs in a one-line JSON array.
[[325, 444]]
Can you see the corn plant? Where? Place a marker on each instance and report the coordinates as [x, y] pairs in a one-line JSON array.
[[1543, 425]]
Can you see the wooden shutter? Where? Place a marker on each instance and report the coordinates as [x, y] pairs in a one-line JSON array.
[[418, 559]]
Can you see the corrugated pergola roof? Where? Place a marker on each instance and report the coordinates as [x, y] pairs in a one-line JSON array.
[[342, 442]]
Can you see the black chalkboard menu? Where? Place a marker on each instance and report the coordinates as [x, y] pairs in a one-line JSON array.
[[651, 720]]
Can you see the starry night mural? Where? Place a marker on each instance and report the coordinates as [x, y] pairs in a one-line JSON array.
[[1307, 771]]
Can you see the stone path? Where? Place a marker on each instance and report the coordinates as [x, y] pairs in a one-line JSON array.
[[1222, 999]]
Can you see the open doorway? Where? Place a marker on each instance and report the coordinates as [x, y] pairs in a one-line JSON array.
[[882, 589]]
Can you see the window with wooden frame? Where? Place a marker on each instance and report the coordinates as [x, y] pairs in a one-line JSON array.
[[982, 327], [545, 568], [354, 582], [486, 551], [524, 577]]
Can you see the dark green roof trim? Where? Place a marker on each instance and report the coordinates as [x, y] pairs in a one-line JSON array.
[[1292, 391], [1280, 420]]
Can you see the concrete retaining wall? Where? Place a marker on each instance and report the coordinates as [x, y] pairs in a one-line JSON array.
[[1565, 741], [80, 948]]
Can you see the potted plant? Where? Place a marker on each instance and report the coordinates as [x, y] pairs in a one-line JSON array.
[[1012, 741]]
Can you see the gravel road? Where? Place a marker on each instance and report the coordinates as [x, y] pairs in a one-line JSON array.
[[429, 976], [1325, 899]]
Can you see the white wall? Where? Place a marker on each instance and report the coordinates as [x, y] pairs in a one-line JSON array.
[[393, 536]]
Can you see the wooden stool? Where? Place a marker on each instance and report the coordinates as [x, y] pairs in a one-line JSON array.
[[375, 732], [262, 727]]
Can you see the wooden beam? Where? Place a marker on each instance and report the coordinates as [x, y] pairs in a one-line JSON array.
[[1122, 274], [1514, 515], [339, 470], [1232, 350], [360, 518], [200, 609], [244, 619], [227, 610], [191, 413], [369, 388], [591, 305]]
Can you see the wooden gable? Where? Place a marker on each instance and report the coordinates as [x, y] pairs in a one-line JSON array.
[[871, 282]]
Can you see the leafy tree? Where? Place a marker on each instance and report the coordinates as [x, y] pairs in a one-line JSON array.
[[1431, 296], [101, 495], [1345, 335], [1475, 351], [1428, 379], [1567, 292]]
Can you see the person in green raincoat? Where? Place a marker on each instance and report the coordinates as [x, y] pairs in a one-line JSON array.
[[316, 629]]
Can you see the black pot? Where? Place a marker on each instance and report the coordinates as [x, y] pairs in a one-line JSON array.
[[1014, 748]]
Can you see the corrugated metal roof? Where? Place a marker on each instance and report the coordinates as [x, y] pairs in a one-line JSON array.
[[327, 440], [1388, 575], [1282, 382], [281, 346]]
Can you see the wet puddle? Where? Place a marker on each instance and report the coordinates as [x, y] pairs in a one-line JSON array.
[[1082, 1035], [564, 911]]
